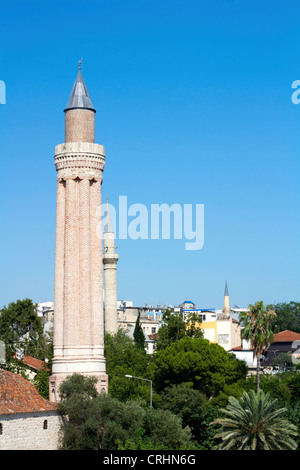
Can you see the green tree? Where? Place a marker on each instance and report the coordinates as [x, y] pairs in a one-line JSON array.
[[175, 326], [138, 333], [254, 423], [257, 327], [274, 385], [92, 421], [293, 416], [193, 325], [287, 316], [195, 411], [41, 382], [21, 328], [80, 412], [171, 330], [207, 366], [124, 357], [282, 361], [165, 428], [292, 381]]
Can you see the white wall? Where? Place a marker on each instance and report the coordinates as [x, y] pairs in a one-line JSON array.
[[24, 431]]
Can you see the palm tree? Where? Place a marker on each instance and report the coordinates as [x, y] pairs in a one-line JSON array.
[[253, 423], [257, 328]]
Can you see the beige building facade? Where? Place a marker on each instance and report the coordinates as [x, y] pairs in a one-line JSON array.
[[150, 323]]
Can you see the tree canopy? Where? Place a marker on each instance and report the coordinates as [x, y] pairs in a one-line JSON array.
[[138, 333], [287, 316], [102, 422], [257, 326], [254, 423], [21, 329], [197, 361], [125, 357], [175, 326]]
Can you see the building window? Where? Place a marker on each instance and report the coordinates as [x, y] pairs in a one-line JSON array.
[[1, 429], [53, 391], [153, 330], [45, 424], [223, 339]]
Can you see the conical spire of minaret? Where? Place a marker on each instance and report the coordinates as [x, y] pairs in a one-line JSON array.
[[226, 293], [80, 97], [108, 226], [226, 308]]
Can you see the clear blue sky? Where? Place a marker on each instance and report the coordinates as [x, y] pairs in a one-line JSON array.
[[194, 105]]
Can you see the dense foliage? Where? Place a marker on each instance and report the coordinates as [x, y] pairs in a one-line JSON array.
[[207, 366], [287, 316], [255, 423], [125, 357], [138, 334], [192, 381], [175, 326], [96, 421], [21, 329], [257, 326]]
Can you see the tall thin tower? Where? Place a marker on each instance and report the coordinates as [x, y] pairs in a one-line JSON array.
[[226, 308], [78, 337], [110, 259]]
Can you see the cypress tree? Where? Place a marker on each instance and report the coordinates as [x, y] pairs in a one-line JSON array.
[[138, 334]]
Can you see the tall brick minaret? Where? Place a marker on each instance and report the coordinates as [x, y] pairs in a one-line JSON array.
[[110, 259], [78, 337]]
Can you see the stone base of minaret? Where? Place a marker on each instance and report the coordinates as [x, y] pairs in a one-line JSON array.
[[56, 380]]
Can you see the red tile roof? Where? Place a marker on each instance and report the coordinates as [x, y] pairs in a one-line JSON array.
[[17, 395], [286, 336], [34, 363], [153, 336]]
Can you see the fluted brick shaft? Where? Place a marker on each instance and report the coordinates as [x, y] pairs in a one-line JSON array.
[[78, 297], [59, 268]]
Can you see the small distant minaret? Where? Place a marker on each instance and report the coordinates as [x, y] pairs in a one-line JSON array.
[[110, 259], [226, 308]]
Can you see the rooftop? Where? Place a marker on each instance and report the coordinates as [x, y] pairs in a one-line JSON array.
[[34, 363], [17, 395], [286, 336]]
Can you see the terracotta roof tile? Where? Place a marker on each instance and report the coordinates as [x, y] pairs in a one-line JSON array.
[[17, 395], [286, 336], [153, 336], [34, 363]]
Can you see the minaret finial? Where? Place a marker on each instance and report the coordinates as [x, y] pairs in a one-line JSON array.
[[226, 293], [80, 64]]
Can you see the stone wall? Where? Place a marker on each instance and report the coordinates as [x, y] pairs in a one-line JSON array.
[[30, 431]]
